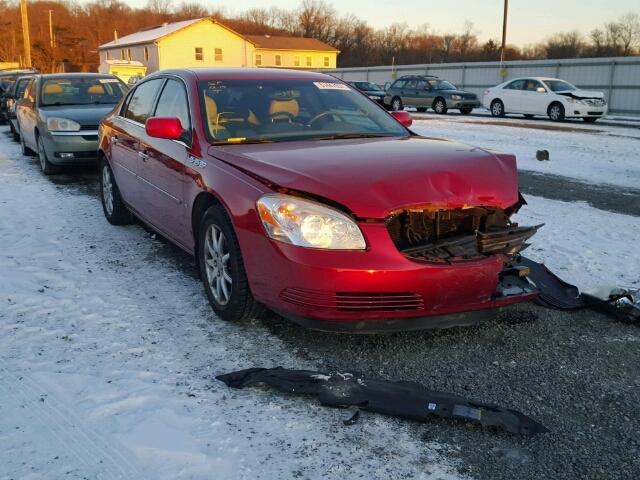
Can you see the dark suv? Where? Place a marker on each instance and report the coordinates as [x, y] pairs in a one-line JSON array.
[[425, 91]]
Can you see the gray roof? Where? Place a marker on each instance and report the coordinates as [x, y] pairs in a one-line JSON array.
[[149, 36]]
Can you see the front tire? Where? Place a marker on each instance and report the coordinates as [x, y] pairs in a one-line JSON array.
[[222, 269], [466, 111], [497, 108], [556, 112], [396, 104], [440, 106], [115, 211], [46, 166]]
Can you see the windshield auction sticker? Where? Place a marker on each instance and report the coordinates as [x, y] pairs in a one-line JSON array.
[[331, 86]]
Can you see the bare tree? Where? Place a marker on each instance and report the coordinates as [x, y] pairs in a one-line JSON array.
[[159, 7], [629, 32], [564, 45]]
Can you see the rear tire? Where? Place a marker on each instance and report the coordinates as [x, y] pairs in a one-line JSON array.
[[115, 211], [497, 108], [590, 119], [556, 112], [396, 104], [466, 111], [222, 269], [46, 166], [440, 106]]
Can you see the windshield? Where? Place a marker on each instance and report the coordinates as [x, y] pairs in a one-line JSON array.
[[367, 86], [559, 86], [81, 91], [241, 111], [441, 85]]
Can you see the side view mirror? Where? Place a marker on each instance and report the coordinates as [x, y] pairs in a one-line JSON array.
[[403, 117], [162, 127], [541, 90]]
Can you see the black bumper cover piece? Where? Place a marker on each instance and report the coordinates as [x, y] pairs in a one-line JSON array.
[[400, 399]]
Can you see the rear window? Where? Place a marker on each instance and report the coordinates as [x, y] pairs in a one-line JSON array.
[[81, 91]]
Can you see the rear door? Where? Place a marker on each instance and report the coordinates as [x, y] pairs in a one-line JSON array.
[[511, 96], [410, 94], [128, 127], [163, 165]]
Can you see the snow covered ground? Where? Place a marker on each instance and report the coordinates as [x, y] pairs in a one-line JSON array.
[[108, 348], [590, 153], [108, 352]]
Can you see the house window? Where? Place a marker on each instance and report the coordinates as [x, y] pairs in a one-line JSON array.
[[278, 60], [199, 54], [218, 54], [309, 60], [258, 60], [326, 61], [296, 61], [122, 55], [146, 54]]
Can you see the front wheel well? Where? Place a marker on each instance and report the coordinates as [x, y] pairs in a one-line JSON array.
[[201, 204]]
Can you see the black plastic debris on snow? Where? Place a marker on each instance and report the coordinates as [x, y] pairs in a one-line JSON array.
[[400, 399], [620, 303]]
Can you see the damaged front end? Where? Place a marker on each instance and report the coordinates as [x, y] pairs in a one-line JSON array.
[[446, 236]]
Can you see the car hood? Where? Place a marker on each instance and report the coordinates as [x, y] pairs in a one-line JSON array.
[[373, 177], [581, 94], [83, 114]]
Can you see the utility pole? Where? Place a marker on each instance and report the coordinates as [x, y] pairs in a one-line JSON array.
[[503, 71], [52, 43], [25, 33], [51, 29]]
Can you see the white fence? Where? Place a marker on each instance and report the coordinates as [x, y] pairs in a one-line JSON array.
[[618, 77]]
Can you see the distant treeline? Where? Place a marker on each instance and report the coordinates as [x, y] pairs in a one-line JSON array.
[[78, 29]]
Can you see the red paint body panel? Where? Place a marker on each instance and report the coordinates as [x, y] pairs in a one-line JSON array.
[[367, 177]]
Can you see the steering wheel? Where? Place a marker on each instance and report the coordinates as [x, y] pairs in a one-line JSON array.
[[325, 114], [282, 116]]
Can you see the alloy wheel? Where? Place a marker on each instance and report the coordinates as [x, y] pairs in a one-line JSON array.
[[216, 258], [42, 155], [496, 109], [439, 108], [107, 190], [555, 113], [395, 105]]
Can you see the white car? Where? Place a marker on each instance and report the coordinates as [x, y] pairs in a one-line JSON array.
[[544, 96]]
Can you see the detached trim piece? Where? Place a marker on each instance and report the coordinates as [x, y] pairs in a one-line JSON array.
[[400, 399]]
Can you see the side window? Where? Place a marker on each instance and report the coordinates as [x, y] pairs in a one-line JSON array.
[[515, 85], [532, 85], [141, 103], [173, 103], [28, 92], [411, 85], [398, 84], [421, 84]]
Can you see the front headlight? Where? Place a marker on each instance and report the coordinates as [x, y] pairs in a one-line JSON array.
[[306, 223], [456, 97], [56, 124], [574, 100]]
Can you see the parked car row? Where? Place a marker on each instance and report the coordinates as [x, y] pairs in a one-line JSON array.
[[294, 192], [530, 96]]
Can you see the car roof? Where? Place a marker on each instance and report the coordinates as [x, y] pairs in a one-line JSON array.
[[535, 78], [205, 73], [405, 77], [48, 76]]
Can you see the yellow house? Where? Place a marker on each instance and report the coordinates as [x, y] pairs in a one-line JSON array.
[[205, 42]]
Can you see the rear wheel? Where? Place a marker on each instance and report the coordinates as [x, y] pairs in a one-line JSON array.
[[466, 111], [113, 207], [590, 119], [222, 269], [46, 166], [497, 108], [396, 104], [556, 112], [440, 106]]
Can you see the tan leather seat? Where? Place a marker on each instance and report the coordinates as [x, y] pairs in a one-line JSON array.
[[284, 109], [52, 88], [213, 117], [95, 90]]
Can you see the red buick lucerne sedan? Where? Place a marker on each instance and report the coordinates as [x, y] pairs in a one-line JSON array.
[[297, 192]]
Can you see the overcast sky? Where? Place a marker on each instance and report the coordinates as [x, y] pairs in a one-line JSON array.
[[529, 20]]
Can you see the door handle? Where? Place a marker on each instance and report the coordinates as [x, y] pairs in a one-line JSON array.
[[143, 156]]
